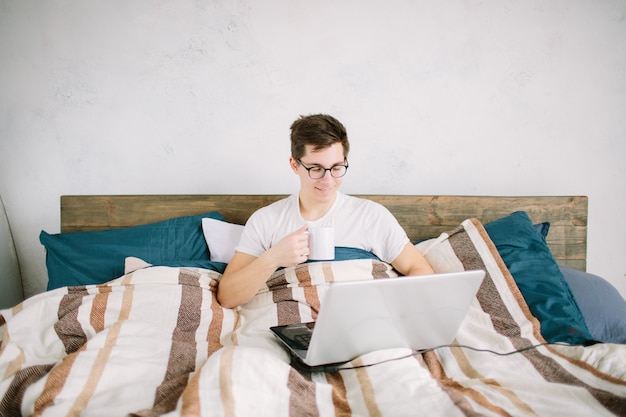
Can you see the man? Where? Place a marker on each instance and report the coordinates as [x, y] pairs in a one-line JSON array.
[[276, 236]]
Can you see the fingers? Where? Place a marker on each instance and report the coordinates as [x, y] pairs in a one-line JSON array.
[[300, 247], [293, 249], [300, 238], [301, 235]]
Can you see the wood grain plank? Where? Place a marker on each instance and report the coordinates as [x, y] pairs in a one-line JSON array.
[[422, 217]]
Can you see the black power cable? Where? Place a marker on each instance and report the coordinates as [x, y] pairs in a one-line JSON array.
[[340, 367]]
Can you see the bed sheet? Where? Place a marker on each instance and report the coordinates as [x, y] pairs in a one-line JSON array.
[[156, 342]]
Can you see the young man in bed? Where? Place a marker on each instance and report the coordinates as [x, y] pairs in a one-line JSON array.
[[276, 236]]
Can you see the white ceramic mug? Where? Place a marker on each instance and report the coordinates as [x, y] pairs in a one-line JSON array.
[[321, 243]]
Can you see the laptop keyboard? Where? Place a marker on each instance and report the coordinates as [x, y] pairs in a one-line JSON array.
[[297, 336], [304, 339]]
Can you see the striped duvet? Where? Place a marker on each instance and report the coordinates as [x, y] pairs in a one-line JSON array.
[[156, 343]]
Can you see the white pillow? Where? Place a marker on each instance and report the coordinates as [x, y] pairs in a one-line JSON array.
[[132, 264], [222, 238]]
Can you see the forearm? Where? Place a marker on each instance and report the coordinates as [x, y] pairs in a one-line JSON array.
[[421, 269], [412, 262], [246, 274], [243, 279]]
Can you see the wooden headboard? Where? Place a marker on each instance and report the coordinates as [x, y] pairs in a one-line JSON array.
[[421, 216]]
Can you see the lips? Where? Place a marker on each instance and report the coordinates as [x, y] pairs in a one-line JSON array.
[[325, 189], [324, 192]]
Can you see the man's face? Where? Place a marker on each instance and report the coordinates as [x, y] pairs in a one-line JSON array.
[[322, 190]]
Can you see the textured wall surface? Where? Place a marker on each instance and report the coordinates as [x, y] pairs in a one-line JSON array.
[[458, 97]]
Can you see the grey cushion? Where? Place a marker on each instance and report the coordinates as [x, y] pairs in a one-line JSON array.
[[602, 305]]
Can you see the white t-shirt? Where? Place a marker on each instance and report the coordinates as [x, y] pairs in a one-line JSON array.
[[358, 223]]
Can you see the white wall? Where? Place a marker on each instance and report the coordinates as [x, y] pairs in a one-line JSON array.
[[493, 97]]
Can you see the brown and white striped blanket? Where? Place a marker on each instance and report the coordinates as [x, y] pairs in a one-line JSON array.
[[156, 342]]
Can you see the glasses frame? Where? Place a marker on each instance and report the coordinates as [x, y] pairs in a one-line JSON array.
[[330, 170]]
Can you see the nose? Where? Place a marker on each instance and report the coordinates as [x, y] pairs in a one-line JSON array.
[[326, 175]]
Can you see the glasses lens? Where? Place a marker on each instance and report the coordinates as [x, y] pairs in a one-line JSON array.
[[338, 171], [316, 172]]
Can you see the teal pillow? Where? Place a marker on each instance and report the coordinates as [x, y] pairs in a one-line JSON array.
[[527, 256], [85, 258], [343, 253], [543, 228]]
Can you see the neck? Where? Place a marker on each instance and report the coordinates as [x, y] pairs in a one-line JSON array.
[[312, 210]]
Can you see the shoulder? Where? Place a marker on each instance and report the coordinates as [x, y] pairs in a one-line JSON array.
[[360, 203], [272, 209]]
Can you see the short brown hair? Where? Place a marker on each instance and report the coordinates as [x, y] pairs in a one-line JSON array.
[[319, 130]]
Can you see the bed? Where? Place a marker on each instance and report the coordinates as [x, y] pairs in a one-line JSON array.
[[130, 324]]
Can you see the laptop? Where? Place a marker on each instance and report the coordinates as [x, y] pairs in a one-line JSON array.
[[357, 317]]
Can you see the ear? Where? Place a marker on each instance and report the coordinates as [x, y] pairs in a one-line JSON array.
[[294, 164]]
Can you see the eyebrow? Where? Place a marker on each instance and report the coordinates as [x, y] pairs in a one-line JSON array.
[[320, 165]]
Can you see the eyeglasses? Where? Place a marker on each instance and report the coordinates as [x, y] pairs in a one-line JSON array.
[[317, 172]]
